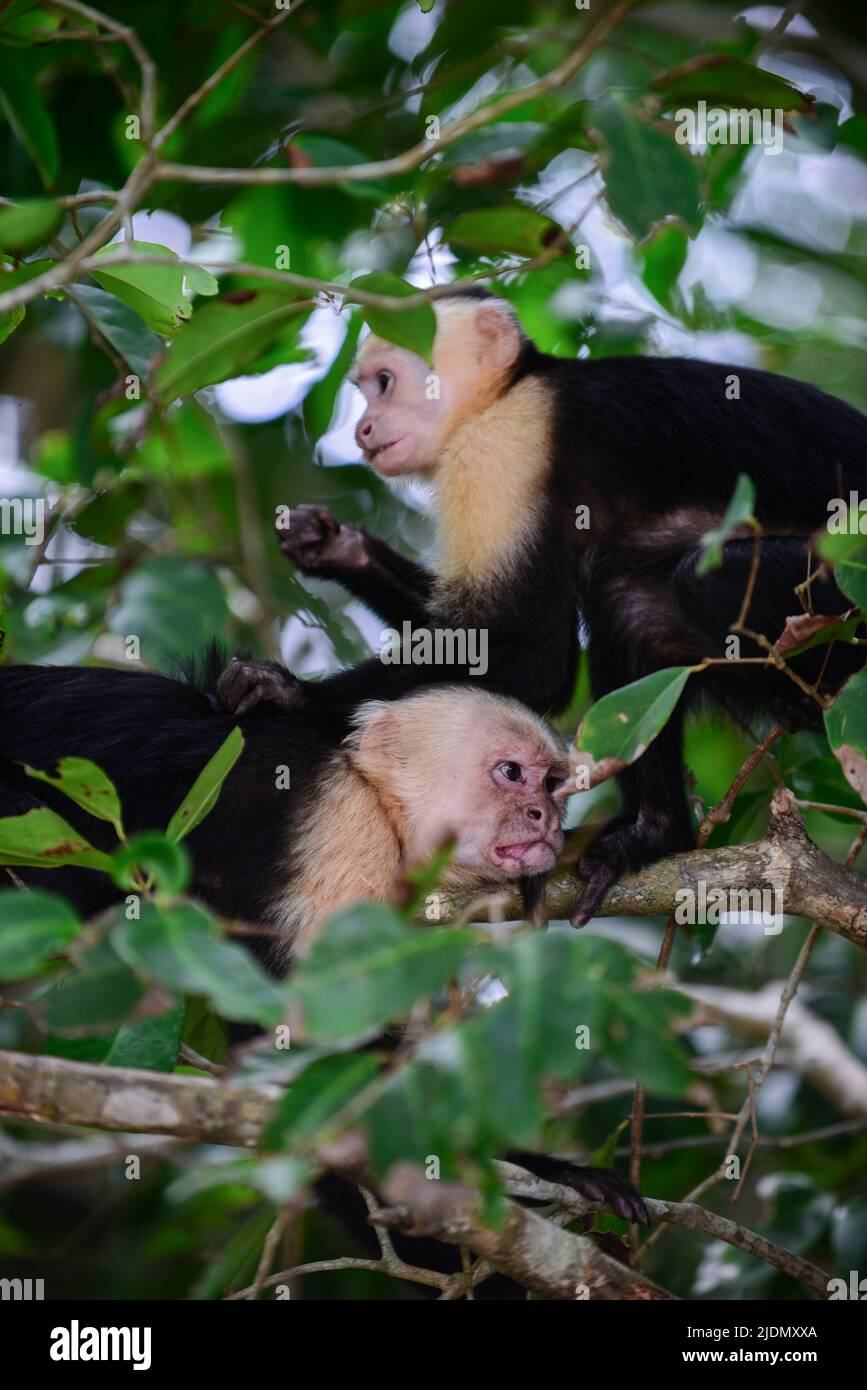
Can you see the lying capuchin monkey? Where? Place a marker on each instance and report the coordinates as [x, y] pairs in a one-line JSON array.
[[565, 487], [352, 818]]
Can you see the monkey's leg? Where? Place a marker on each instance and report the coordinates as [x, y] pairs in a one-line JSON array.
[[393, 586], [711, 603]]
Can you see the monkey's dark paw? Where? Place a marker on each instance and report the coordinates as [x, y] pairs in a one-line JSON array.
[[599, 1185], [621, 848], [245, 684], [315, 542], [604, 1186]]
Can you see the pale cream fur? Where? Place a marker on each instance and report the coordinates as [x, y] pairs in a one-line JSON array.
[[407, 779]]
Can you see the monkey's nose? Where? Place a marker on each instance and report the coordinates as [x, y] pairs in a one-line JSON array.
[[364, 429], [534, 813]]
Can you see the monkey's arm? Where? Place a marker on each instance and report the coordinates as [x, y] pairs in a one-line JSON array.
[[393, 586]]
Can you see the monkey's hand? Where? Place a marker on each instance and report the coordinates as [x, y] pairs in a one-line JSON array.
[[600, 1185], [318, 544], [624, 846], [244, 684]]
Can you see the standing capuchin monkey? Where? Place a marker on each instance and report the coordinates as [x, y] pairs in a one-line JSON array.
[[584, 487], [451, 763]]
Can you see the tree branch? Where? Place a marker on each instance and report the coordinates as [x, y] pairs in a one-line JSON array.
[[812, 884]]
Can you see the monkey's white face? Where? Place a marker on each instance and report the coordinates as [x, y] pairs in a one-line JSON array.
[[400, 425], [413, 409], [512, 822]]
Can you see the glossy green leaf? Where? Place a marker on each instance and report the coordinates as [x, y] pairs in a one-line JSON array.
[[203, 794], [413, 329], [846, 727], [739, 512], [150, 1043], [181, 948], [622, 724], [25, 111], [224, 338], [648, 175], [166, 865], [155, 292], [726, 82], [42, 840], [847, 552], [87, 785], [33, 925], [24, 226], [504, 231], [369, 967]]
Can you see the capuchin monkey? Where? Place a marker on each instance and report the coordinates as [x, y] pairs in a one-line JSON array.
[[447, 764], [566, 488], [451, 763]]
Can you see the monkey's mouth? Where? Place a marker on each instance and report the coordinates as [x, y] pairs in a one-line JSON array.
[[535, 855], [374, 454]]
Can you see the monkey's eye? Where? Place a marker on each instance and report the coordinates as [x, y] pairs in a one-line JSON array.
[[384, 381], [511, 771], [552, 783]]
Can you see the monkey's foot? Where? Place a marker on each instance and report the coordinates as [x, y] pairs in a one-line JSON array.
[[316, 543], [594, 1184], [244, 684], [623, 847]]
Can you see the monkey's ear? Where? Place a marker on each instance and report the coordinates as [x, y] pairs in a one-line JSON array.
[[532, 890], [500, 335]]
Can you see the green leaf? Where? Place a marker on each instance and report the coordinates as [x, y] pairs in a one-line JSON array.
[[155, 292], [151, 1043], [739, 512], [321, 1091], [153, 854], [649, 176], [95, 999], [21, 24], [224, 338], [88, 786], [846, 727], [33, 925], [413, 329], [181, 948], [621, 725], [174, 606], [122, 327], [664, 256], [25, 226], [503, 231], [203, 794], [847, 552], [728, 82], [25, 111], [369, 967], [42, 840]]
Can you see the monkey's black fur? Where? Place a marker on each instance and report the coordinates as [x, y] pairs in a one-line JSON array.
[[654, 447], [153, 736]]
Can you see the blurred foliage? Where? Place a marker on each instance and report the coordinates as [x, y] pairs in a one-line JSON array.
[[164, 412]]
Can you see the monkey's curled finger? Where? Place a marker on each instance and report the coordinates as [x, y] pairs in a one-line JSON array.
[[245, 684], [599, 880]]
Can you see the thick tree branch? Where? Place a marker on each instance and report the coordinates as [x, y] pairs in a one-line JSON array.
[[812, 884]]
